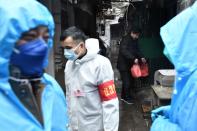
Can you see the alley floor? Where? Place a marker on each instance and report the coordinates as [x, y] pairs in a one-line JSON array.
[[131, 118]]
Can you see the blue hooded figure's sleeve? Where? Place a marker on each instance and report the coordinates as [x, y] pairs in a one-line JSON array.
[[164, 124]]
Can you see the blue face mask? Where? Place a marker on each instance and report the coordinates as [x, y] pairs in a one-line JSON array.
[[70, 53], [31, 58]]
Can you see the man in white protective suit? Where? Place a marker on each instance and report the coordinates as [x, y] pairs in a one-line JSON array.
[[92, 101]]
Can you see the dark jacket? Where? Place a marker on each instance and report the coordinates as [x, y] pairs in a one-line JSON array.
[[128, 52], [103, 49]]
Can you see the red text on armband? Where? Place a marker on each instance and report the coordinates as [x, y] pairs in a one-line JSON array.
[[107, 90]]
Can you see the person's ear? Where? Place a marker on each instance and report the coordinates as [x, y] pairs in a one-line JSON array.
[[82, 44]]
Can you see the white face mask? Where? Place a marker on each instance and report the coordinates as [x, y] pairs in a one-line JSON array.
[[70, 53]]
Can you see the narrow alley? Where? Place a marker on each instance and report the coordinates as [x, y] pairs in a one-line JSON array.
[[98, 65]]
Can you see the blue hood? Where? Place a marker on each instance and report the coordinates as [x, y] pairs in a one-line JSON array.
[[16, 17], [180, 36]]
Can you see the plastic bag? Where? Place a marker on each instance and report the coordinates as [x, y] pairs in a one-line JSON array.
[[144, 69], [139, 70], [136, 71]]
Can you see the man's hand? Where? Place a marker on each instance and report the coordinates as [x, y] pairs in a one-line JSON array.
[[143, 60], [136, 61]]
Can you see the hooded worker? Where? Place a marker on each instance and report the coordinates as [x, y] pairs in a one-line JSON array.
[[92, 101], [30, 99], [180, 36]]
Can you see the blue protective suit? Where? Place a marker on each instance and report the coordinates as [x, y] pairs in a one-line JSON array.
[[16, 17], [180, 38]]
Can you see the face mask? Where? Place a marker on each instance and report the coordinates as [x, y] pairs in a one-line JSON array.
[[31, 57], [70, 53]]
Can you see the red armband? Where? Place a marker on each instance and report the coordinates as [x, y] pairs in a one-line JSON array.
[[107, 90]]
